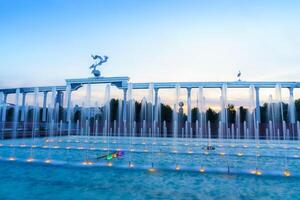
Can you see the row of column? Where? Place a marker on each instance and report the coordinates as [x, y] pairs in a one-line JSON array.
[[189, 110], [257, 100], [59, 99]]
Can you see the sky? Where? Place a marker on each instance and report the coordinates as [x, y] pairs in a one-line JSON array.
[[46, 42]]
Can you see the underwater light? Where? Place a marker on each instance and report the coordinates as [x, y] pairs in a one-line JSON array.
[[131, 165], [48, 161], [12, 158], [232, 145], [33, 146], [30, 159], [177, 167], [1, 145], [222, 153], [152, 169], [56, 147], [239, 154], [22, 145], [109, 164], [245, 146], [146, 150], [202, 169], [132, 149], [286, 173], [190, 151], [45, 146], [256, 172], [206, 152], [79, 147], [87, 162]]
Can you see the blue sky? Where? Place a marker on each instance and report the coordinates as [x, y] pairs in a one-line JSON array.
[[45, 42]]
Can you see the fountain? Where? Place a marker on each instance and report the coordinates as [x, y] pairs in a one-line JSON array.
[[152, 134]]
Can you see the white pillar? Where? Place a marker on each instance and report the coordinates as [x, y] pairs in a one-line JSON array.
[[4, 108], [124, 104], [189, 112], [292, 106], [23, 106], [68, 94], [257, 109], [156, 104], [5, 98], [44, 106]]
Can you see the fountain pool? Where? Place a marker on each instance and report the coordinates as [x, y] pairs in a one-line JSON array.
[[41, 181], [125, 149], [230, 157]]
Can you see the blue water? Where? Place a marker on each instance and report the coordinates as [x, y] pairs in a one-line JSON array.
[[36, 181]]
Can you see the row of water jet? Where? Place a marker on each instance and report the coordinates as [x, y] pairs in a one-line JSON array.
[[150, 120]]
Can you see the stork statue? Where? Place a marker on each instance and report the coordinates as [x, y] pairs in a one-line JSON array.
[[102, 60], [239, 75]]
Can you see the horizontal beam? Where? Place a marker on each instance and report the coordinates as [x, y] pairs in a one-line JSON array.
[[32, 89], [120, 82], [235, 84]]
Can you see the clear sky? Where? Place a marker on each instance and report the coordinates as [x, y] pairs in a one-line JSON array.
[[44, 42]]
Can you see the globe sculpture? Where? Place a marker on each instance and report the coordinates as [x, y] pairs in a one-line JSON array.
[[99, 61]]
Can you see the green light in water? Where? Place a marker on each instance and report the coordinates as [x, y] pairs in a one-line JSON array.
[[109, 157]]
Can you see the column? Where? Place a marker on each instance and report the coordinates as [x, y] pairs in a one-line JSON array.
[[124, 104], [292, 106], [69, 95], [156, 125], [3, 120], [59, 98], [189, 105], [4, 108], [23, 106], [156, 104], [44, 106], [257, 109], [5, 98], [189, 112]]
